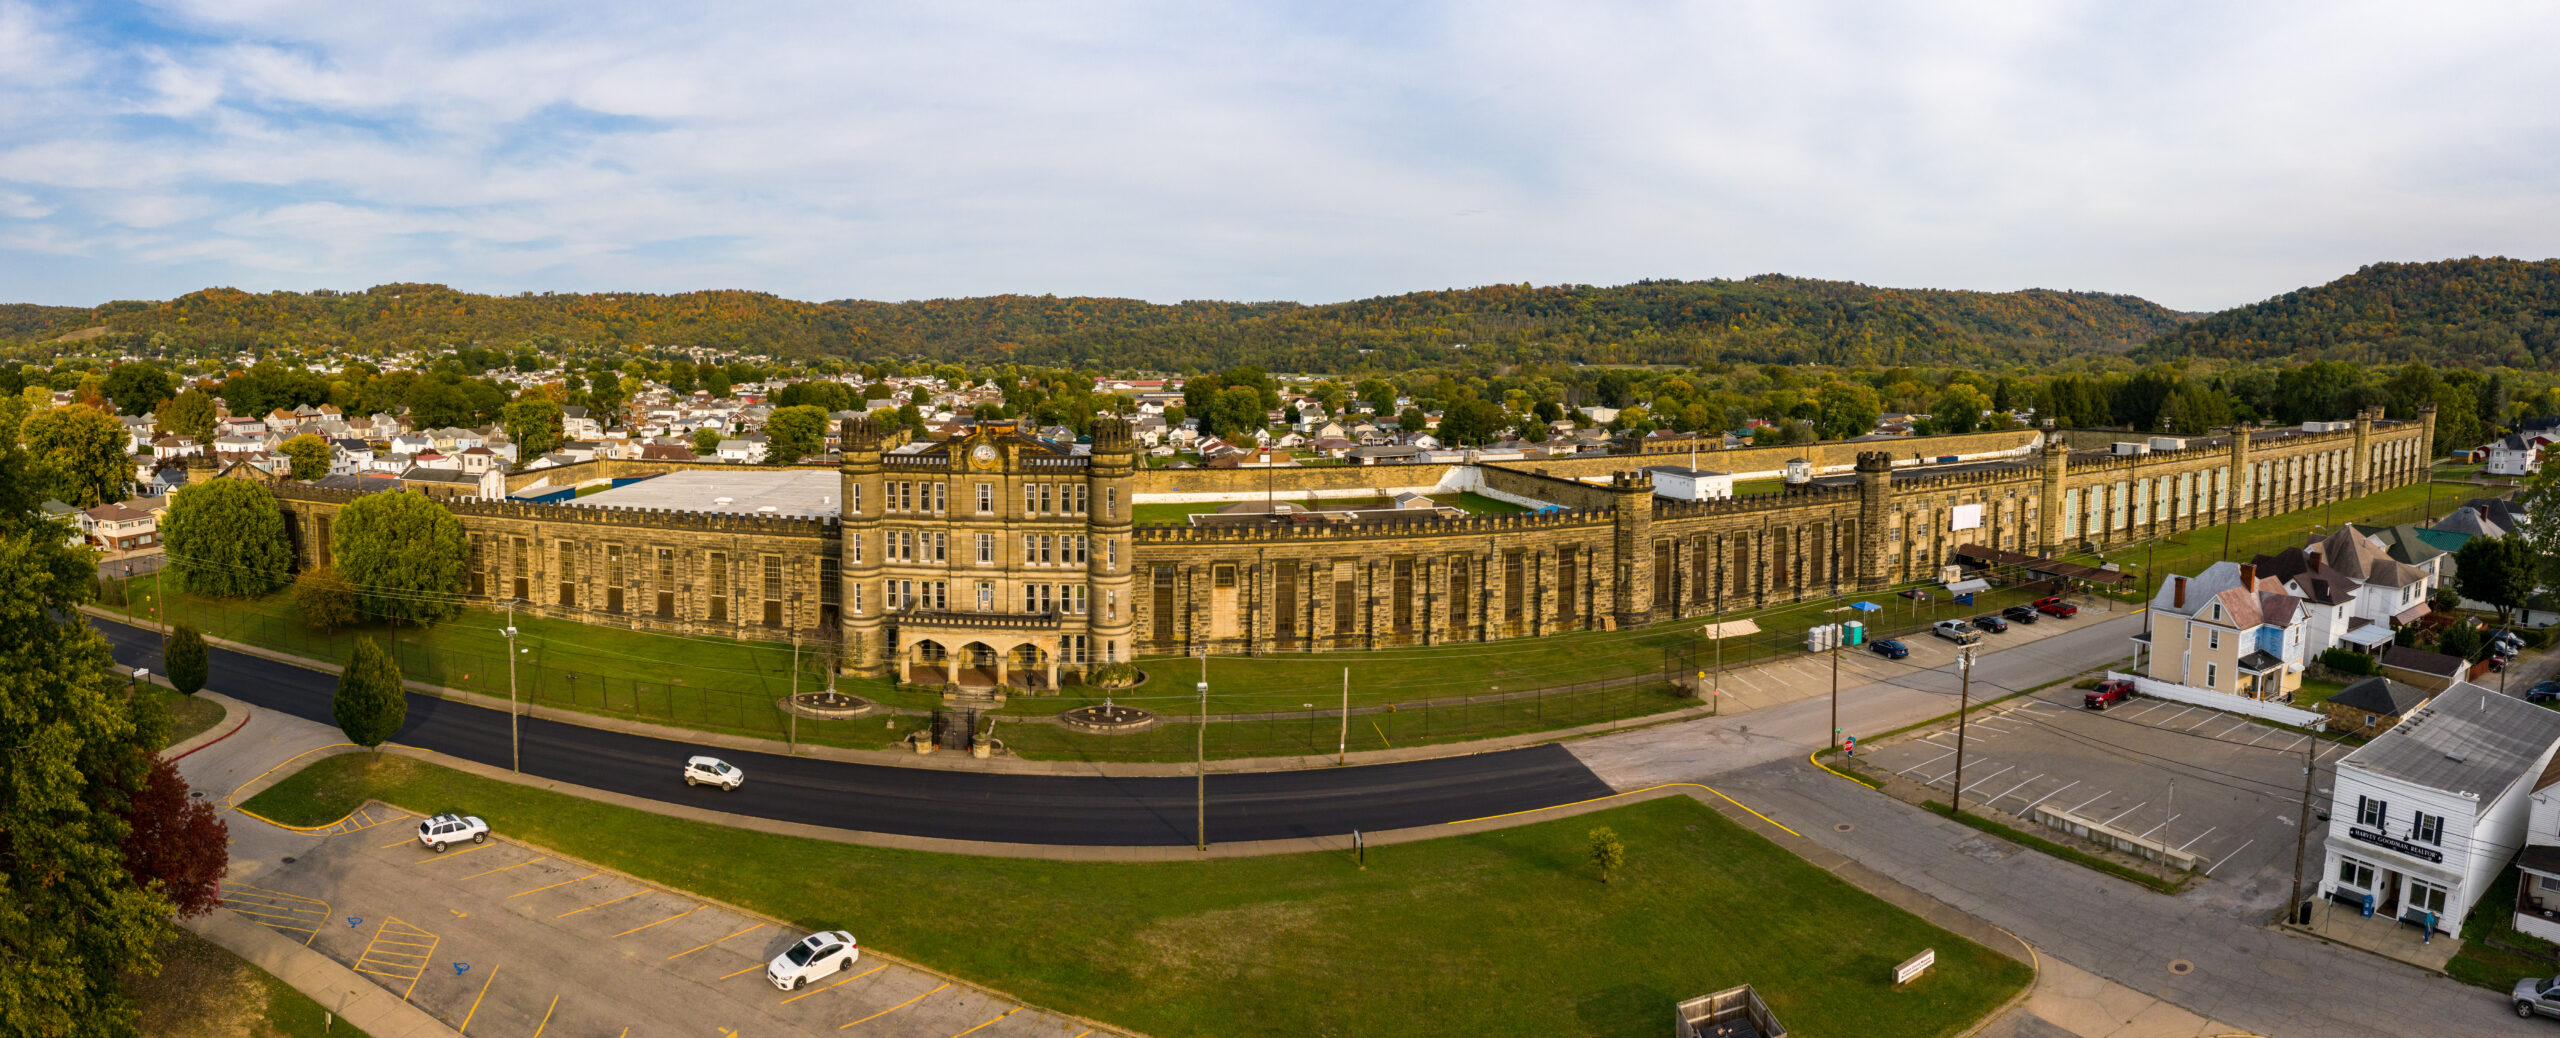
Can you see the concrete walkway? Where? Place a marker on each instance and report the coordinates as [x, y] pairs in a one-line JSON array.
[[355, 1000]]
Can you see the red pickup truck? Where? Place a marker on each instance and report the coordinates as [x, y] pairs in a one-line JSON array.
[[2056, 607], [2108, 693]]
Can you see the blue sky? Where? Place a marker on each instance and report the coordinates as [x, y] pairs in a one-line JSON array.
[[2203, 155]]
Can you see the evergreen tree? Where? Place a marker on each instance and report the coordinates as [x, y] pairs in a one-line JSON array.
[[370, 705], [226, 537], [405, 555], [187, 661], [310, 456]]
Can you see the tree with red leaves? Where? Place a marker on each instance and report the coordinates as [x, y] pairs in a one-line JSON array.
[[176, 842]]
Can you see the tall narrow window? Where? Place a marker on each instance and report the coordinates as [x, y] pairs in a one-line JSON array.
[[1080, 492], [830, 593], [1346, 607], [665, 583], [1403, 596], [1110, 502], [479, 567], [613, 579], [324, 540], [986, 498], [1284, 612], [719, 587], [1460, 594], [1514, 583], [986, 548], [1568, 567], [773, 590], [1662, 574], [1161, 602], [1048, 505]]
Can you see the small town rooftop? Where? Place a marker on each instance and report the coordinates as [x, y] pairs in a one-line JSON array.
[[793, 493]]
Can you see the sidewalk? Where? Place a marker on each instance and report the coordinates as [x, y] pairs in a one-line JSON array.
[[360, 1002], [2389, 938]]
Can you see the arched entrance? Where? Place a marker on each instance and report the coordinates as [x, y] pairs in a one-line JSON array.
[[1029, 667], [927, 663], [978, 664]]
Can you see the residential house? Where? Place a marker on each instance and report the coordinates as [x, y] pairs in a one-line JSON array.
[[119, 528], [747, 450], [2370, 707], [577, 424], [2390, 591], [349, 455], [2515, 454], [2423, 818], [2229, 630], [2428, 670], [453, 483], [2538, 895], [2328, 602]]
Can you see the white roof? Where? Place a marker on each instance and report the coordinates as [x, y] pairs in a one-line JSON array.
[[791, 493]]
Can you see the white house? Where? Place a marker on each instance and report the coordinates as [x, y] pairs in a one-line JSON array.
[[1681, 483], [2515, 455], [2389, 591], [747, 450], [2328, 602], [2426, 815], [2538, 902]]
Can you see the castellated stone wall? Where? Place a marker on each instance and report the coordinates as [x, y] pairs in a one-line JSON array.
[[1036, 567]]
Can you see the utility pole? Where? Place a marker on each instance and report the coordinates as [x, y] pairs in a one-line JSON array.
[[1835, 678], [1200, 760], [793, 712], [1964, 701], [1715, 701], [2148, 553], [160, 605], [2302, 831], [1343, 751], [515, 760]]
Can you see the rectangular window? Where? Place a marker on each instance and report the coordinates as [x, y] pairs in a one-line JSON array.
[[1662, 574], [1110, 502], [1111, 554], [1514, 585], [1568, 565], [986, 498], [2371, 812], [2353, 872], [568, 575], [1284, 593], [1046, 504], [986, 596], [773, 591], [666, 584], [719, 587], [941, 547], [1161, 602], [830, 590], [2213, 639], [2212, 675], [854, 541], [1080, 499], [1702, 563], [854, 500], [1403, 596], [613, 578], [1045, 558], [2425, 897], [479, 568], [942, 497], [1030, 498], [1030, 549], [1078, 591], [1346, 611], [2427, 828], [857, 599], [986, 548], [1030, 598], [324, 540], [1460, 594]]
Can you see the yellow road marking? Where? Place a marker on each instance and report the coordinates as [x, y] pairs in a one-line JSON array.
[[226, 798], [370, 956], [1632, 792], [981, 1027], [669, 919], [459, 853], [562, 883], [838, 984], [895, 1008], [601, 904], [699, 947], [475, 1001], [395, 843], [274, 893], [502, 868], [749, 969], [546, 1017]]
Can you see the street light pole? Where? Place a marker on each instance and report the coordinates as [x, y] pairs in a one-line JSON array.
[[1835, 677], [2302, 831], [1342, 751], [1964, 701], [1200, 760], [794, 712], [515, 761]]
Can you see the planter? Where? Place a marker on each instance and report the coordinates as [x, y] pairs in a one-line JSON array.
[[982, 748], [924, 746]]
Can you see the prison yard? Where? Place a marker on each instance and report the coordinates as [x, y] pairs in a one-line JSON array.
[[1261, 705], [1427, 939]]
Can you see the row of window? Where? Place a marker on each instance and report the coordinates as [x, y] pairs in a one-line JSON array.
[[1038, 549], [2423, 896], [2423, 827], [914, 498], [935, 595], [766, 572]]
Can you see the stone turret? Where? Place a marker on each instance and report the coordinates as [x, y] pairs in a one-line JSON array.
[[2054, 462], [2427, 437], [2360, 459], [1875, 496], [2239, 491], [859, 549], [1111, 565], [1632, 495]]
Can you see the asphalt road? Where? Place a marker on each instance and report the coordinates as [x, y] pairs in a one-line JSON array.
[[1036, 809]]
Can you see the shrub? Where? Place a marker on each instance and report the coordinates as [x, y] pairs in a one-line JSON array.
[[324, 599], [2459, 640], [1608, 853], [187, 661], [371, 704], [2349, 661]]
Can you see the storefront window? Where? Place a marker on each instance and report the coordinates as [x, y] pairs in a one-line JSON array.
[[2354, 873]]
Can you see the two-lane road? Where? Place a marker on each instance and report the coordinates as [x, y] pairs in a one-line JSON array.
[[955, 805]]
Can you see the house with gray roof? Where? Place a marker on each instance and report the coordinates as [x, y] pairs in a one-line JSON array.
[[2423, 818], [2371, 706]]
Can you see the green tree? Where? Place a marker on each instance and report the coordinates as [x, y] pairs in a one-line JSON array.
[[2498, 570], [370, 705], [706, 441], [78, 455], [715, 380], [137, 387], [225, 537], [534, 423], [189, 415], [324, 599], [73, 920], [605, 394], [1847, 409], [1958, 409], [187, 661], [1608, 853], [2461, 641], [793, 432], [1471, 421], [404, 553], [310, 456]]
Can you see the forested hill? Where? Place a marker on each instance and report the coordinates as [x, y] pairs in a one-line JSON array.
[[2458, 313], [1760, 319]]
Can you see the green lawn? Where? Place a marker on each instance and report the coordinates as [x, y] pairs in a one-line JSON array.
[[204, 989], [2493, 919], [2313, 693], [1507, 932], [189, 716]]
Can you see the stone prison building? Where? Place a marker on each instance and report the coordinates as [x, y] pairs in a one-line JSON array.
[[1000, 558]]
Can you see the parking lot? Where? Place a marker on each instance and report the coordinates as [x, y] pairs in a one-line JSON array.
[[504, 939], [2213, 784], [1768, 683]]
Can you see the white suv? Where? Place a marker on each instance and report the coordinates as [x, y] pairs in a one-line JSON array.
[[821, 953], [712, 771], [440, 830]]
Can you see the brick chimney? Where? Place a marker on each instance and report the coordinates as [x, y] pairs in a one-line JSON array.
[[2178, 592], [2248, 576]]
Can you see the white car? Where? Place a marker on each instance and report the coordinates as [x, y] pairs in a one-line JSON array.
[[712, 771], [440, 830], [821, 953]]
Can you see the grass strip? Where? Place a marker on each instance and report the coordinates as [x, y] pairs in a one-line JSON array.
[[1504, 932], [204, 989], [2065, 852]]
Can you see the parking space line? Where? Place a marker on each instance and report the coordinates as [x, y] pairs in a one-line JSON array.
[[2209, 719], [2198, 836], [1926, 763], [2021, 784], [749, 969], [385, 959], [546, 1017], [502, 868], [895, 1008], [459, 853], [2172, 717], [1951, 772], [2126, 811], [838, 984], [2085, 803], [2164, 823], [981, 1027], [669, 919], [475, 1002], [372, 822], [562, 883], [2235, 852], [2032, 803], [2262, 735], [699, 947], [601, 904], [395, 843], [1989, 777]]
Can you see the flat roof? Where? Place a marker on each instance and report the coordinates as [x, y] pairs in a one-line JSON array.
[[805, 493]]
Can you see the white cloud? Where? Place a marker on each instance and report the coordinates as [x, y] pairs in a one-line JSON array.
[[2203, 157]]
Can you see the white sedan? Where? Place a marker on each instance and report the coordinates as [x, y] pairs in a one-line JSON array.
[[712, 771], [821, 953]]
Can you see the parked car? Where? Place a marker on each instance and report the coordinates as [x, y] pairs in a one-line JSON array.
[[2057, 608], [2107, 694], [712, 771], [2537, 996], [2543, 691], [821, 953], [1956, 631], [1914, 593], [1888, 648], [2021, 614], [1991, 623], [440, 830]]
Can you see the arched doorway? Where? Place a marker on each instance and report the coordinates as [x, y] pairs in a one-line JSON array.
[[927, 663], [1028, 667], [979, 664]]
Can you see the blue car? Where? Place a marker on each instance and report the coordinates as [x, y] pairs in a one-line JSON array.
[[1888, 648], [2543, 691]]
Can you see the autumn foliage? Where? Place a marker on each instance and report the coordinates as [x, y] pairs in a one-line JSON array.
[[176, 842]]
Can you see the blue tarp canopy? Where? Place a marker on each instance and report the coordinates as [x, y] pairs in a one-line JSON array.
[[1865, 607]]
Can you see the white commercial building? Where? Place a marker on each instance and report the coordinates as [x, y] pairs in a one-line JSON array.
[[1681, 483], [2426, 815]]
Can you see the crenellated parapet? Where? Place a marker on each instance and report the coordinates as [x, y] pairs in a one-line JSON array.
[[1416, 529], [595, 515], [1979, 477], [1784, 501]]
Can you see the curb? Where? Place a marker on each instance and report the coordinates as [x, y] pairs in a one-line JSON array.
[[235, 730], [362, 1003]]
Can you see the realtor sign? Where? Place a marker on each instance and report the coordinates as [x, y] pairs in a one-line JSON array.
[[2397, 844], [1915, 966]]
